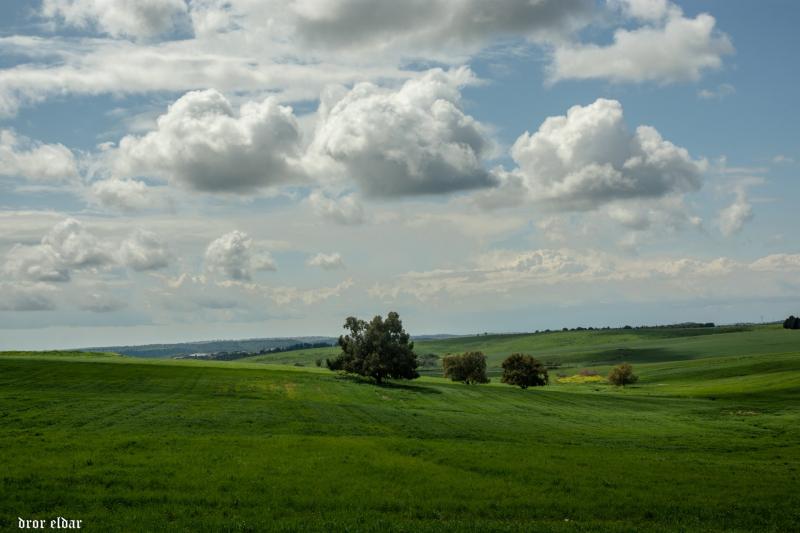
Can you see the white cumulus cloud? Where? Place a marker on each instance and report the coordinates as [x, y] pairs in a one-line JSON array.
[[203, 143], [588, 157], [412, 141], [144, 250], [234, 256]]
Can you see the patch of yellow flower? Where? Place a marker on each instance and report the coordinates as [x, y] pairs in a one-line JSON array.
[[577, 378]]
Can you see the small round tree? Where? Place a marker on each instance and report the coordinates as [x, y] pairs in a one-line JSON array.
[[622, 375], [469, 368], [524, 371]]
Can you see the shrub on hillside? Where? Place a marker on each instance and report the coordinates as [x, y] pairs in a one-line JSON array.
[[524, 371], [378, 349], [622, 375], [469, 368]]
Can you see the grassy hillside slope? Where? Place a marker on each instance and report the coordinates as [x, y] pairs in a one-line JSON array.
[[705, 444], [590, 348]]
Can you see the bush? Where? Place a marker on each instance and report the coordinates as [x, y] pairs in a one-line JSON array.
[[791, 323], [378, 349], [318, 362], [622, 375], [469, 368], [524, 371]]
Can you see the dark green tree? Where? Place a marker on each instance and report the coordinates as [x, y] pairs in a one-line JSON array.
[[524, 371], [791, 323], [469, 368], [378, 349], [622, 375]]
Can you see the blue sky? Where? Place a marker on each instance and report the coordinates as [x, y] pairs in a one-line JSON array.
[[175, 170]]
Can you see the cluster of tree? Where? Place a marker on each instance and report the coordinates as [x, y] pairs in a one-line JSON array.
[[518, 369], [792, 322], [682, 325], [293, 347], [378, 349], [382, 349]]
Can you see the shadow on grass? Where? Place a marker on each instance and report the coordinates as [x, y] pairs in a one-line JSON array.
[[363, 380], [635, 355]]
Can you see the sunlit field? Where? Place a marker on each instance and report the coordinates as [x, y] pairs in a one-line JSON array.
[[706, 441]]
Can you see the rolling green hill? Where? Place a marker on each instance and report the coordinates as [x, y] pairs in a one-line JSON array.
[[709, 440], [590, 348]]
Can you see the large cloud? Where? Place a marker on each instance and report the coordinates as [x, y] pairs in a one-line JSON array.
[[204, 144], [412, 141], [588, 157], [35, 161], [669, 48], [294, 48], [416, 25], [234, 256], [118, 18]]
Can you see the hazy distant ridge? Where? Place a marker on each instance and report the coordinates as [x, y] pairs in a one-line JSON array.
[[157, 351]]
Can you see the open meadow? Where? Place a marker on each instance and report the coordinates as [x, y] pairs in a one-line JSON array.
[[708, 440]]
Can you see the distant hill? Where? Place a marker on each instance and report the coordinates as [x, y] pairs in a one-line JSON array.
[[163, 351], [253, 346]]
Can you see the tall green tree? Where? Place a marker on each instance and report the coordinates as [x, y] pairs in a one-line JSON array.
[[469, 367], [378, 349], [524, 371]]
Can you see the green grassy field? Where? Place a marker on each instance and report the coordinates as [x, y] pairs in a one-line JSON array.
[[709, 440]]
